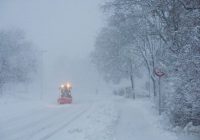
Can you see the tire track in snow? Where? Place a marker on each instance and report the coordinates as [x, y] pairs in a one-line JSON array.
[[30, 124], [35, 131], [21, 132], [77, 116], [7, 121]]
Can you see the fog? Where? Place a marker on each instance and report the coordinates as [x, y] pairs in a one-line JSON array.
[[65, 31]]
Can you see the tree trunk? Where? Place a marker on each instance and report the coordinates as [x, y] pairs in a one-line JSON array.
[[132, 85], [132, 80], [1, 89]]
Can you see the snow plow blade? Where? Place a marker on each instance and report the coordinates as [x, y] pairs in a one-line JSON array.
[[65, 100]]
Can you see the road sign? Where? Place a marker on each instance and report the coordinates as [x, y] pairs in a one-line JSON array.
[[159, 73]]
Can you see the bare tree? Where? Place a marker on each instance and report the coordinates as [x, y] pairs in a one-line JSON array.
[[18, 57]]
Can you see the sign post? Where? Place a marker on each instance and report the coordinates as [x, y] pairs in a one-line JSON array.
[[159, 73]]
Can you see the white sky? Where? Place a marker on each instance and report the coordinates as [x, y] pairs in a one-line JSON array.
[[66, 29], [62, 24]]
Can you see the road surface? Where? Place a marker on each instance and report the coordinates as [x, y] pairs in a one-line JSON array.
[[97, 118]]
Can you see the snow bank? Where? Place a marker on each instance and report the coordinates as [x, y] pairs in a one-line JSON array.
[[190, 128], [138, 120]]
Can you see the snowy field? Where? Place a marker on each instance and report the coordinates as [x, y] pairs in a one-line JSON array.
[[96, 117]]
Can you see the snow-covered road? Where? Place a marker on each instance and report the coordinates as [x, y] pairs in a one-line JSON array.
[[41, 123], [88, 119], [96, 118]]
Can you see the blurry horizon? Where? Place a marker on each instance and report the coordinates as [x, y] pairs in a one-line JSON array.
[[64, 30]]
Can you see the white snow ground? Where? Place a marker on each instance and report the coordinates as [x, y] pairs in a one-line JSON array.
[[96, 117], [139, 122]]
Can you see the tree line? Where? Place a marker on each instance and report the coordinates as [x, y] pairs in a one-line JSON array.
[[157, 34], [18, 58]]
